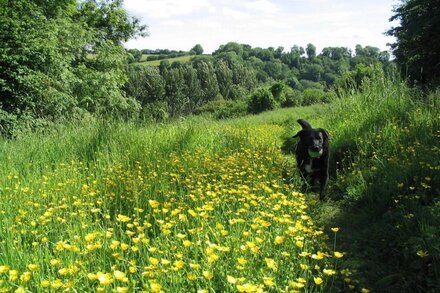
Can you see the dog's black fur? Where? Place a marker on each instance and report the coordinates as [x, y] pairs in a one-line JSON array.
[[316, 140]]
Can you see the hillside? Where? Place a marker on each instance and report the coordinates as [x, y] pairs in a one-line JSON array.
[[202, 204]]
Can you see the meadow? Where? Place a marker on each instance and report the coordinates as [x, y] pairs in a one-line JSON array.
[[199, 205], [182, 59]]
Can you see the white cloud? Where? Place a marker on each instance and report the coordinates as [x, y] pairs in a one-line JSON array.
[[181, 24], [262, 6], [234, 13], [167, 8]]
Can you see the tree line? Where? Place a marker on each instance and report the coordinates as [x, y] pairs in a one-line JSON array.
[[230, 76]]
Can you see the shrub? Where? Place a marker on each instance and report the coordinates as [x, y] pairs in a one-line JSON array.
[[261, 100], [278, 91], [152, 57], [294, 98], [155, 112], [312, 96], [221, 109]]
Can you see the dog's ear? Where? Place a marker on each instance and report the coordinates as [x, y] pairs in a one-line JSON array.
[[324, 133], [299, 133], [304, 124]]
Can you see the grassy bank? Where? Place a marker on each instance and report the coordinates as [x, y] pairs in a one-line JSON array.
[[387, 159]]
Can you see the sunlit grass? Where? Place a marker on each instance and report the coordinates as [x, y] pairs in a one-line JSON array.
[[193, 206]]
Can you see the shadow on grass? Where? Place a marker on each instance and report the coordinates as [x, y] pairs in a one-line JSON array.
[[388, 209]]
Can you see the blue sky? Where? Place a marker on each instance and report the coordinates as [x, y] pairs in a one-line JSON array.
[[180, 24]]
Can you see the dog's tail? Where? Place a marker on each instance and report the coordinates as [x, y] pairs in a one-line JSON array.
[[304, 124]]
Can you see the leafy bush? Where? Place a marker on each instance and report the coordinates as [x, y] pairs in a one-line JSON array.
[[278, 91], [294, 98], [221, 109], [155, 112], [312, 96], [354, 79], [261, 100]]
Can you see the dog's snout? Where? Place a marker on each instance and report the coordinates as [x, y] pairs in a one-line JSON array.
[[315, 148]]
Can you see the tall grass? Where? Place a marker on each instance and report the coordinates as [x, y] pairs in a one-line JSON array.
[[387, 157], [195, 205]]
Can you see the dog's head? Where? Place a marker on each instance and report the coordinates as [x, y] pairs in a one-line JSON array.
[[315, 140]]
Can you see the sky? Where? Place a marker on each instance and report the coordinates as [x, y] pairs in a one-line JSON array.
[[181, 24]]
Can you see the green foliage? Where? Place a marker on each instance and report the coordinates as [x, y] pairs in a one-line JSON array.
[[384, 143], [418, 40], [61, 58], [354, 79], [197, 50], [294, 98], [278, 92], [223, 109], [313, 96], [261, 100]]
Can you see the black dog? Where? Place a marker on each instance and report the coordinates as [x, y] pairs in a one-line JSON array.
[[312, 155]]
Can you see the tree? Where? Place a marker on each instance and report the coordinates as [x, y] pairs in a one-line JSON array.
[[311, 51], [197, 49], [417, 48], [64, 57]]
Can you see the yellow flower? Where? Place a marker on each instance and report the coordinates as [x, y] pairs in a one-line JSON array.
[[13, 275], [20, 290], [55, 262], [155, 286], [318, 281], [208, 275], [153, 261], [92, 277], [45, 283], [153, 203], [63, 271], [179, 264], [120, 276], [268, 282], [365, 290], [104, 279], [231, 279], [241, 261], [279, 240], [422, 253], [329, 272], [4, 269], [271, 264], [121, 289], [335, 229], [122, 218], [56, 284], [318, 256], [32, 267], [338, 254], [26, 276], [191, 276], [303, 266]]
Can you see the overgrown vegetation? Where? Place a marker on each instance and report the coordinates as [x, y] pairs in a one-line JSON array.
[[386, 151]]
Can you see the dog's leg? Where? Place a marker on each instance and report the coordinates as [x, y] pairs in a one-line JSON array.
[[323, 180]]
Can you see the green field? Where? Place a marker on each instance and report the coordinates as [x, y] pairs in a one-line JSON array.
[[157, 62], [214, 206]]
